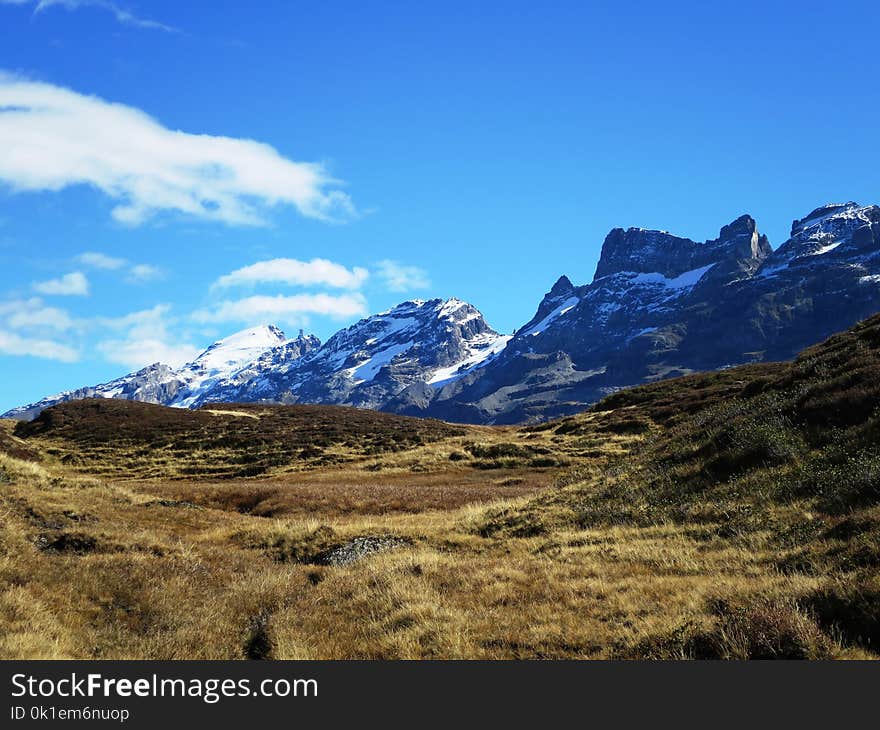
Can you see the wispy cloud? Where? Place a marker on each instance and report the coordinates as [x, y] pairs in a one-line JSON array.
[[11, 343], [98, 260], [123, 15], [54, 138], [140, 338], [296, 273], [400, 278], [289, 309], [72, 284], [144, 337], [135, 273], [144, 272], [33, 313], [32, 328]]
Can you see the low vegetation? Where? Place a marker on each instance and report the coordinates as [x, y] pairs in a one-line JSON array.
[[728, 515]]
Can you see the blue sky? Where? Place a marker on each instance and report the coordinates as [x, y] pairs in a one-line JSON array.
[[155, 155]]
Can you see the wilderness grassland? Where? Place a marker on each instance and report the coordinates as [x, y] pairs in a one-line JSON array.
[[726, 515]]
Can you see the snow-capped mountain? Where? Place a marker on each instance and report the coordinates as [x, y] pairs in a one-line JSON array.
[[252, 374], [372, 361], [846, 231], [659, 305], [425, 342], [225, 360]]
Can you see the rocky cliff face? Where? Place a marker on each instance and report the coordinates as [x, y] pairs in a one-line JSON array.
[[658, 306], [638, 250], [365, 365]]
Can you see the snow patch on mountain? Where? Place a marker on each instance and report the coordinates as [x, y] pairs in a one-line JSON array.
[[826, 249], [223, 359], [368, 369], [769, 271], [687, 279], [480, 354], [538, 328]]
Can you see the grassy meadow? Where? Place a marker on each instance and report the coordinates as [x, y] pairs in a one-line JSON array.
[[729, 515]]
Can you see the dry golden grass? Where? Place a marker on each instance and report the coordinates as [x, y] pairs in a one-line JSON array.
[[339, 492], [96, 568], [728, 515], [171, 568]]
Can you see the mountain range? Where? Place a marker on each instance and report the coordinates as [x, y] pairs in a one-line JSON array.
[[658, 306]]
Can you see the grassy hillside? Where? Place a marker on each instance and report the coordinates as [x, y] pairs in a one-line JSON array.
[[224, 441], [731, 515]]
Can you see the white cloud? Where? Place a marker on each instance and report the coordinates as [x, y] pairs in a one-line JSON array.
[[143, 272], [137, 354], [73, 284], [398, 277], [54, 138], [123, 16], [37, 325], [98, 260], [294, 272], [147, 321], [143, 339], [284, 308], [27, 313], [14, 344], [136, 273], [135, 340]]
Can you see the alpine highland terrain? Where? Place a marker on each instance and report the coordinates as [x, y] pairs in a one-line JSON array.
[[658, 306], [728, 514], [660, 464]]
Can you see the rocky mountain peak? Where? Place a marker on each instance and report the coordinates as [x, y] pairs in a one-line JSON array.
[[644, 251], [836, 229], [741, 239], [823, 213], [562, 287], [305, 341], [641, 250], [453, 309], [562, 293]]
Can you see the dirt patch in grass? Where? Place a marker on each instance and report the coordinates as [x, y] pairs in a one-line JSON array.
[[345, 492]]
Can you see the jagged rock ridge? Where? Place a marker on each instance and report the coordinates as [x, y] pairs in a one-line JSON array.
[[661, 306]]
